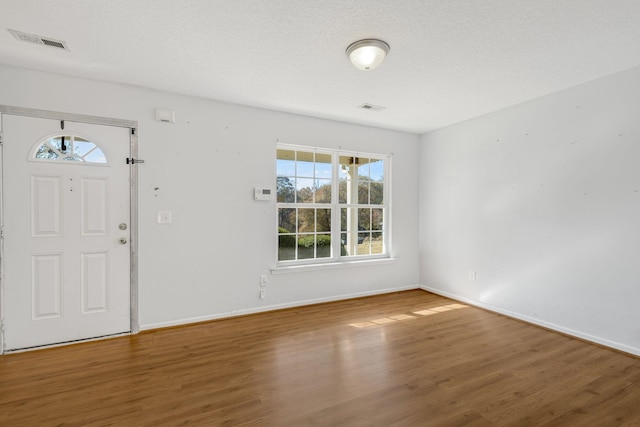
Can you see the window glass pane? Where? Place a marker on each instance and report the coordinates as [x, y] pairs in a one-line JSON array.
[[376, 243], [350, 223], [47, 151], [363, 192], [286, 247], [364, 244], [304, 164], [56, 142], [285, 187], [81, 146], [306, 220], [306, 246], [304, 187], [323, 220], [364, 219], [95, 156], [376, 193], [323, 166], [342, 190], [345, 166], [376, 186], [344, 247], [285, 164], [87, 151], [323, 191], [363, 180], [377, 170], [346, 174], [363, 168], [377, 219], [323, 246], [286, 220]]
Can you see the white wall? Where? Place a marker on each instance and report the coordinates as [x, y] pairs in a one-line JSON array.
[[542, 200], [208, 262]]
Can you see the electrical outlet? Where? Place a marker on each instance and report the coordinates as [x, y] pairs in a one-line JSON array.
[[263, 293], [263, 280], [472, 275]]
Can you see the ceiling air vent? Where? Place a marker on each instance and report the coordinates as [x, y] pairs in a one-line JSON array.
[[371, 107], [35, 39]]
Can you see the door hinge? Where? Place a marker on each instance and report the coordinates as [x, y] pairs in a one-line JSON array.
[[1, 137], [2, 326], [132, 161], [2, 232]]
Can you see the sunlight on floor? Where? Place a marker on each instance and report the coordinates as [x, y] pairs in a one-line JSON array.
[[440, 309], [401, 317]]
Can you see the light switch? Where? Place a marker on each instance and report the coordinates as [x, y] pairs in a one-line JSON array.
[[164, 217]]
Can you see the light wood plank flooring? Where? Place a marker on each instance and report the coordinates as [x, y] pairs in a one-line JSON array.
[[403, 359]]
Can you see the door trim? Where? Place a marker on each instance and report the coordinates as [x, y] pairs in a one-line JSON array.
[[56, 115], [133, 199]]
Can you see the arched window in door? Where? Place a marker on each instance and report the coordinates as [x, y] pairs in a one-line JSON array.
[[68, 148]]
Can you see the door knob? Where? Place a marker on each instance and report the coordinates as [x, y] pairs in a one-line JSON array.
[[123, 240]]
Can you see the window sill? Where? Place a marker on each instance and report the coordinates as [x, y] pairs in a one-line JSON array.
[[331, 265]]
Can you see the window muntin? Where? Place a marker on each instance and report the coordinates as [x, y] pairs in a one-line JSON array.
[[308, 203], [68, 148]]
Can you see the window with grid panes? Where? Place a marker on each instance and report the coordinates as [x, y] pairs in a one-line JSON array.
[[331, 205]]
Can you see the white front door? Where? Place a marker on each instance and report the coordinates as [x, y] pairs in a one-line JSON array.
[[66, 213]]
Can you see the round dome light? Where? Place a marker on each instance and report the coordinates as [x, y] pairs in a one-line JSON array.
[[367, 54]]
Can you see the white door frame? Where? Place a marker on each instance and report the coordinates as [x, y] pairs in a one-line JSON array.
[[133, 194]]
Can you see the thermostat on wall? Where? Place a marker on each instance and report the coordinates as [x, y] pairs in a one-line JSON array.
[[262, 193]]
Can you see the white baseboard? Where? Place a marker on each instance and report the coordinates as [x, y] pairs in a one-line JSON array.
[[273, 307], [584, 336]]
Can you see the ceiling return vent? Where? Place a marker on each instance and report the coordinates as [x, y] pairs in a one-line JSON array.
[[35, 39], [371, 107]]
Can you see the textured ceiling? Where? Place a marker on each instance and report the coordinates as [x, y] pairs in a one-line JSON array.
[[450, 60]]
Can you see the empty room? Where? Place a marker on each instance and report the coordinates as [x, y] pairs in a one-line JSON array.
[[338, 213]]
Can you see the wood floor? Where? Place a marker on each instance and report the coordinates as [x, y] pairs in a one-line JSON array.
[[404, 359]]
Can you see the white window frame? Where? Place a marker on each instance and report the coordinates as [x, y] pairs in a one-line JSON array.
[[335, 206]]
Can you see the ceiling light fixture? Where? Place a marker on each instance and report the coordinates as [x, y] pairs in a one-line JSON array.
[[367, 54]]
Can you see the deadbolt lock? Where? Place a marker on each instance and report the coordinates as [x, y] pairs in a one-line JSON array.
[[122, 226]]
